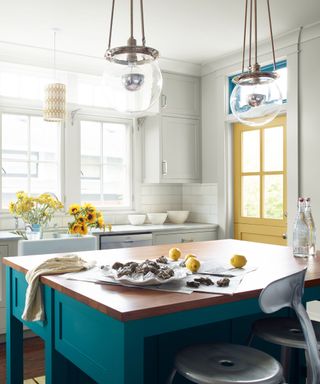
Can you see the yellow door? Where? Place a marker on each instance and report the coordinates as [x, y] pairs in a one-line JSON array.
[[260, 182]]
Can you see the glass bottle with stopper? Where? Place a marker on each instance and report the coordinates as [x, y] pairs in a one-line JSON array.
[[311, 227], [301, 232]]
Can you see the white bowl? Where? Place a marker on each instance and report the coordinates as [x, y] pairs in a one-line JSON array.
[[136, 219], [157, 218], [178, 217]]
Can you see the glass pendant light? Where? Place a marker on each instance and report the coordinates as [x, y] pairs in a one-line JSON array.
[[54, 108], [256, 99], [132, 75]]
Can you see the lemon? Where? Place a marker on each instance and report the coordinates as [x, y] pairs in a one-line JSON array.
[[193, 264], [174, 254], [188, 256], [238, 261]]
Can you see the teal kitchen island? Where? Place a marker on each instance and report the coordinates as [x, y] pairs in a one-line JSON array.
[[113, 335]]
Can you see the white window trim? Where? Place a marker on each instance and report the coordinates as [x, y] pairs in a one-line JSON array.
[[72, 168], [21, 110]]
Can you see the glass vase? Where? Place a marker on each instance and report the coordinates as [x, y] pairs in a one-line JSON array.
[[35, 232]]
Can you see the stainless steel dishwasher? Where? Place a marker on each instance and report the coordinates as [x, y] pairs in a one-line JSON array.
[[125, 240]]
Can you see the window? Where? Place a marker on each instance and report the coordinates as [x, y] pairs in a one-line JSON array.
[[30, 156], [106, 163], [282, 80]]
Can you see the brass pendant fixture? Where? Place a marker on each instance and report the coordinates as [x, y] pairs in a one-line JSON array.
[[132, 74], [54, 108], [256, 99]]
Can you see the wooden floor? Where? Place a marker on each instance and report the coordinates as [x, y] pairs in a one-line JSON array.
[[33, 361]]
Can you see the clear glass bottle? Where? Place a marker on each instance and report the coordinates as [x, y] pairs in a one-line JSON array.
[[300, 232], [312, 228]]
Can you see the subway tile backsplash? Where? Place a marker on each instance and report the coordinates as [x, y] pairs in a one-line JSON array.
[[161, 198], [199, 199]]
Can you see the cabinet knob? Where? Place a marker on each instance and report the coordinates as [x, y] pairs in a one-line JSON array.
[[164, 167], [186, 240], [164, 101]]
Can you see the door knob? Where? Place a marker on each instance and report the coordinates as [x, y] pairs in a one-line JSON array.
[[284, 236]]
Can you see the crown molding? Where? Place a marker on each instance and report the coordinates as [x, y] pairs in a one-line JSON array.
[[285, 44], [75, 62]]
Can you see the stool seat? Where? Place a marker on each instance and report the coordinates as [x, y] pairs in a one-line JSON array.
[[284, 331], [224, 363]]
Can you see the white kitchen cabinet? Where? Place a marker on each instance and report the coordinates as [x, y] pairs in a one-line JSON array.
[[183, 237], [7, 248], [180, 95], [171, 149]]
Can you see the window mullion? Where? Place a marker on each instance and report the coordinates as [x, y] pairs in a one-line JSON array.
[[1, 204], [29, 155], [101, 162]]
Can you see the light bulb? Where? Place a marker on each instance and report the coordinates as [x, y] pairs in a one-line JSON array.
[[133, 80], [132, 88], [256, 101]]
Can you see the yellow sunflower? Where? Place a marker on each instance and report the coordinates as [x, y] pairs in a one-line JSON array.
[[89, 208], [100, 222], [75, 228], [83, 229], [74, 209], [81, 220], [91, 217]]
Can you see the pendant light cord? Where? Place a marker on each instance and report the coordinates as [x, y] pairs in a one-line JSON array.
[[111, 24], [131, 19], [255, 33], [250, 35], [54, 55], [244, 36], [253, 14], [142, 24], [271, 37]]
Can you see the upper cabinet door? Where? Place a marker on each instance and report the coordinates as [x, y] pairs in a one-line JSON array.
[[180, 150], [180, 95]]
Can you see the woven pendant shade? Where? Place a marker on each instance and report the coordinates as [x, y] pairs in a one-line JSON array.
[[54, 108]]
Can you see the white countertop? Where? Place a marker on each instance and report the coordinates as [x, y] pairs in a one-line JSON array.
[[7, 235], [120, 229]]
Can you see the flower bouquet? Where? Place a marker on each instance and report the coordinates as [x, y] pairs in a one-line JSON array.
[[35, 210], [85, 217]]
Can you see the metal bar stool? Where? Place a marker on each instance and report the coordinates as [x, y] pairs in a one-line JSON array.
[[287, 333], [229, 363]]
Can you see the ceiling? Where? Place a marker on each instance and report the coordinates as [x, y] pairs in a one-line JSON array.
[[195, 31]]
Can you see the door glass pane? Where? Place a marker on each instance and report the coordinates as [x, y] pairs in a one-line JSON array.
[[250, 196], [273, 197], [273, 149], [251, 151]]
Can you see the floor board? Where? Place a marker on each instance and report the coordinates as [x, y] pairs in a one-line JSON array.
[[33, 361]]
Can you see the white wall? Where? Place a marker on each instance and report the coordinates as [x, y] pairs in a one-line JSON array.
[[310, 126], [217, 127]]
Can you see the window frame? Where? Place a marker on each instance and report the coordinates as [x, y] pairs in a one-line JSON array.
[[36, 112], [130, 124]]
